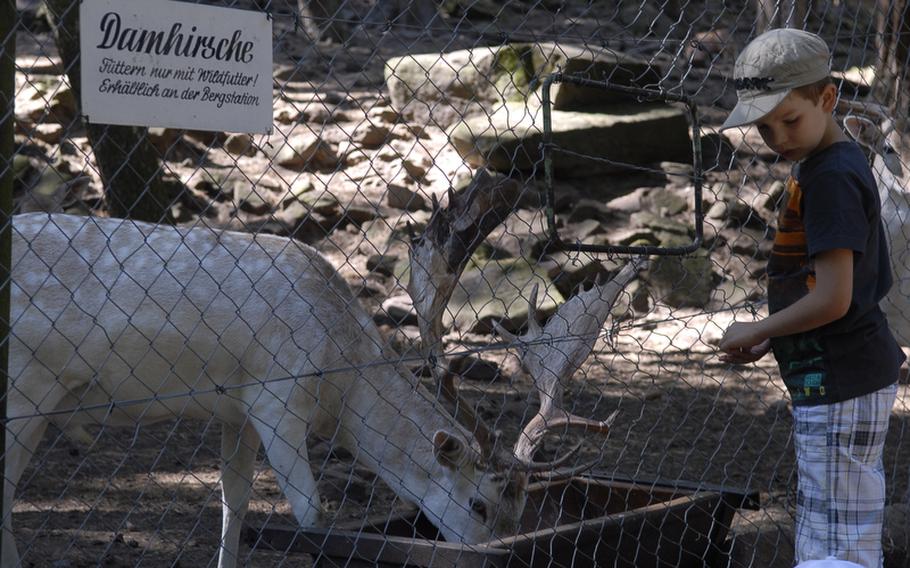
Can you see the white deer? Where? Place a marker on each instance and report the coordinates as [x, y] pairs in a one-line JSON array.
[[263, 334], [870, 125]]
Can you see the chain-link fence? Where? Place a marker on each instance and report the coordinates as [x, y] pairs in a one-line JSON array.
[[386, 354]]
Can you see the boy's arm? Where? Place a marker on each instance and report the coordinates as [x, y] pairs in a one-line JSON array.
[[828, 302]]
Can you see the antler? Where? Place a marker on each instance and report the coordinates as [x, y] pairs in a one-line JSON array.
[[861, 107], [871, 125], [437, 259], [554, 352]]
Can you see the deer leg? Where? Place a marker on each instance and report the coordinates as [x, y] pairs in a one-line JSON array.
[[30, 393], [285, 445], [239, 445]]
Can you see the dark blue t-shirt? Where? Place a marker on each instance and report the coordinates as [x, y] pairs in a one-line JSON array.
[[832, 203]]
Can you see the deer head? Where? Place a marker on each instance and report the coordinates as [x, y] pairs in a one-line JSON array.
[[551, 354], [871, 126]]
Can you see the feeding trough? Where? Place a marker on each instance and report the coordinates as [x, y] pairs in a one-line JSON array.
[[576, 522]]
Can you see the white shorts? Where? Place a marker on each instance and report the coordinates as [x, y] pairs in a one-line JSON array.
[[840, 501]]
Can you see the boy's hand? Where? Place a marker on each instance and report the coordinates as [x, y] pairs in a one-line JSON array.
[[741, 344], [747, 354]]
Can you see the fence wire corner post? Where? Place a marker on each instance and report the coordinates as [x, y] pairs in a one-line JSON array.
[[7, 145]]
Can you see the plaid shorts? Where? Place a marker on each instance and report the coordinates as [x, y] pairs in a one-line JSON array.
[[840, 501]]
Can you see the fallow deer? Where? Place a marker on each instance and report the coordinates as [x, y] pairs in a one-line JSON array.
[[871, 126], [123, 323]]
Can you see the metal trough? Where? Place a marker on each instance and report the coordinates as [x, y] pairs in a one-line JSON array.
[[581, 522]]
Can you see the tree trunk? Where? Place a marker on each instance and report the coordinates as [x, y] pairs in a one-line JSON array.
[[127, 162], [780, 13], [416, 14], [324, 19]]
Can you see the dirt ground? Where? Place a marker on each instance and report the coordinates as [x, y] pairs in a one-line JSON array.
[[150, 496]]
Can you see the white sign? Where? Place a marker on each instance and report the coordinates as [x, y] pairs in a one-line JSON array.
[[175, 64]]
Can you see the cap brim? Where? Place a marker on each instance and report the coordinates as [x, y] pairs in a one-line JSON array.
[[749, 110]]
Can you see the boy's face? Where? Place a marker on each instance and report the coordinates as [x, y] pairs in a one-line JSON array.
[[799, 127]]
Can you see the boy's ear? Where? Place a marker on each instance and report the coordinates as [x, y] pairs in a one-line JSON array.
[[829, 98]]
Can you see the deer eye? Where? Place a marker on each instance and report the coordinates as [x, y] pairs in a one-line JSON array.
[[479, 508]]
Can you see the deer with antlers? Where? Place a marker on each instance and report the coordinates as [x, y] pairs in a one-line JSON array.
[[262, 333], [872, 127]]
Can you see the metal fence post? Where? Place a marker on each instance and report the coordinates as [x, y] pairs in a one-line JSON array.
[[7, 104]]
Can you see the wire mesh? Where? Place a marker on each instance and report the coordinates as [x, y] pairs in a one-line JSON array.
[[252, 328]]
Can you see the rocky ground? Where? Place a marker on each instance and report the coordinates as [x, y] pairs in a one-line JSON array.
[[348, 167]]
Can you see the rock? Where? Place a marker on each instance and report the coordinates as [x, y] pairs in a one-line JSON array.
[[732, 293], [24, 173], [626, 236], [163, 139], [305, 226], [382, 264], [286, 115], [398, 309], [775, 193], [630, 202], [49, 132], [351, 154], [705, 48], [592, 63], [400, 196], [322, 202], [62, 104], [207, 137], [510, 138], [384, 114], [306, 151], [47, 192], [416, 167], [499, 292], [358, 215], [679, 172], [569, 270], [717, 152], [666, 202], [737, 209], [658, 224], [407, 131], [749, 242], [443, 88], [240, 144], [474, 368], [252, 199], [582, 230], [364, 288], [587, 209], [681, 281], [748, 141], [370, 135], [298, 188]]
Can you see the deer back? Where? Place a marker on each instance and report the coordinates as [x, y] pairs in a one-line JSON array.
[[134, 310]]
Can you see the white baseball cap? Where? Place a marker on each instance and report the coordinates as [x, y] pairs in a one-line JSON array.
[[771, 66]]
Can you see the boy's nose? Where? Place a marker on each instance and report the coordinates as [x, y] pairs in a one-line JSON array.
[[776, 139]]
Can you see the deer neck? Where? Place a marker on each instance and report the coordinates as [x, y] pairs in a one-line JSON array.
[[392, 431]]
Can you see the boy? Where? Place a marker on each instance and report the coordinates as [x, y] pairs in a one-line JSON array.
[[827, 272]]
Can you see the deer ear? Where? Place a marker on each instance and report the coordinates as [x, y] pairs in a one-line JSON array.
[[449, 449], [862, 130]]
